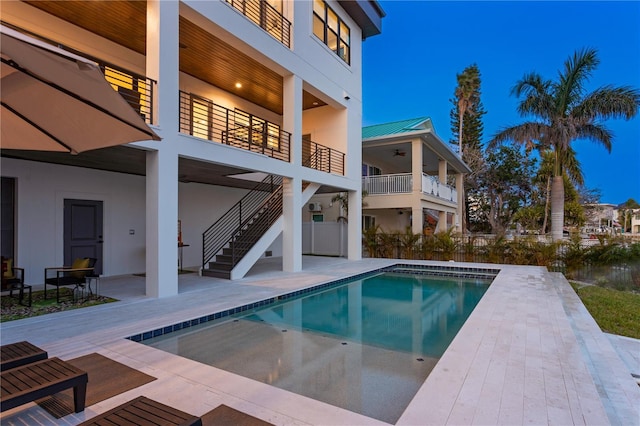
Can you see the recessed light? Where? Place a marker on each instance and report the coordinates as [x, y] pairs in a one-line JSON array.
[[238, 85], [315, 103]]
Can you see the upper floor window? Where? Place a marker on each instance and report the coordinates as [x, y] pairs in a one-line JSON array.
[[368, 170], [329, 28]]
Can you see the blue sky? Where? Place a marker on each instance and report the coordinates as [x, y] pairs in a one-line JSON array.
[[410, 69]]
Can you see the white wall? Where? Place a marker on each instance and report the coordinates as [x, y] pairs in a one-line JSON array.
[[40, 192]]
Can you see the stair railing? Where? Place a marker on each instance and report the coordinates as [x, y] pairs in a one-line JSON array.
[[218, 235], [266, 215]]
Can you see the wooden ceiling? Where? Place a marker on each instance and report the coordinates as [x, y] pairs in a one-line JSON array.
[[202, 55]]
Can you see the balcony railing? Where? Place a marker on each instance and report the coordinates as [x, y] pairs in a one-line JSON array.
[[137, 90], [323, 158], [202, 118], [266, 17], [432, 186], [402, 183], [387, 184]]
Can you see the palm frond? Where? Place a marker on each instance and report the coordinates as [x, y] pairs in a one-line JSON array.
[[530, 134], [596, 133], [570, 85], [609, 102]]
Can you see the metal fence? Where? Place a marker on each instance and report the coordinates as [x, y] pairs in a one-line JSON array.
[[617, 267]]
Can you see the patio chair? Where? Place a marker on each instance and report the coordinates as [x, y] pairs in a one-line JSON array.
[[13, 280], [66, 276]]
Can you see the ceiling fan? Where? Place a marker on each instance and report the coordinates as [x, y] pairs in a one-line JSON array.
[[399, 153]]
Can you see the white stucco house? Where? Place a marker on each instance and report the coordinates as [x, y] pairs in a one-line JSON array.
[[240, 92]]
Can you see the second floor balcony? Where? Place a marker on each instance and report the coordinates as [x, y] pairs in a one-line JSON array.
[[402, 183], [266, 17]]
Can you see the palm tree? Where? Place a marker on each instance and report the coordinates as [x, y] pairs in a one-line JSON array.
[[572, 171], [565, 113], [467, 94]]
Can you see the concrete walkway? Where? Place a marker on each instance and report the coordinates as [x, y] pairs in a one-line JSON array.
[[529, 353]]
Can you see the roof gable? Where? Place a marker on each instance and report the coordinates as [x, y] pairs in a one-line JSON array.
[[397, 127]]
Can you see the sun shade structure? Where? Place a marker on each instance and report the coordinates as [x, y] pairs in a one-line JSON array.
[[53, 100]]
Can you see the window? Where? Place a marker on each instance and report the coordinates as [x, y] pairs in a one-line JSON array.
[[368, 222], [317, 217], [333, 32], [132, 89], [368, 170], [200, 118]]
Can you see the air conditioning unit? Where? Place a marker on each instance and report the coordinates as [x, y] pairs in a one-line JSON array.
[[315, 207]]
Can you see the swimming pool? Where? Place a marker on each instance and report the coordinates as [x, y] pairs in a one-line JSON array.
[[365, 344]]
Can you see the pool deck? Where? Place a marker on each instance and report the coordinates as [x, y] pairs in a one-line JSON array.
[[530, 353]]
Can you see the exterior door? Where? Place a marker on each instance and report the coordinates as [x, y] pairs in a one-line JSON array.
[[83, 231]]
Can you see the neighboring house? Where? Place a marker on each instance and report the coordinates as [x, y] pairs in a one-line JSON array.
[[412, 178], [601, 218], [239, 91]]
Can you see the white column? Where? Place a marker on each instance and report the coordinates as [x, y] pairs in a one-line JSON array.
[[354, 226], [442, 177], [416, 176], [460, 219], [162, 223], [292, 187], [162, 165], [292, 228]]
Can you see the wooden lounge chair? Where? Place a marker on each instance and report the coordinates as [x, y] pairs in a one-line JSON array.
[[14, 355], [143, 410], [30, 382]]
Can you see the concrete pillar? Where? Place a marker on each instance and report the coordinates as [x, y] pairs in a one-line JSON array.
[[162, 165], [354, 226], [292, 187], [460, 219], [416, 176], [292, 228], [162, 219]]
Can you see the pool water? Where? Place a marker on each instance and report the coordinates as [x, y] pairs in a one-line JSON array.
[[366, 345]]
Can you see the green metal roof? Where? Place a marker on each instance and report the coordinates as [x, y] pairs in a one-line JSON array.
[[397, 127]]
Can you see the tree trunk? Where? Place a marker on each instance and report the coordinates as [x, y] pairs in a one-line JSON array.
[[557, 207], [546, 207]]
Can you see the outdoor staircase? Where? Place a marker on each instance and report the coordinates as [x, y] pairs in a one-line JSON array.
[[228, 240]]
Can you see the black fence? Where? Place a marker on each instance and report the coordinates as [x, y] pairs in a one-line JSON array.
[[613, 263]]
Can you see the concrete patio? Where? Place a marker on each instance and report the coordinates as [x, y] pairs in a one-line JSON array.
[[529, 354]]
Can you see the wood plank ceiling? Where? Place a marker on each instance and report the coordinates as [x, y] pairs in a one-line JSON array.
[[202, 55]]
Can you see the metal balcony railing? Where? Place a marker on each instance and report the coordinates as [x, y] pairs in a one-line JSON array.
[[136, 89], [204, 119], [266, 17], [320, 157]]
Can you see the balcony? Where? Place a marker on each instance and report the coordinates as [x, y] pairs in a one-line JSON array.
[[202, 118], [266, 17], [402, 183], [320, 157]]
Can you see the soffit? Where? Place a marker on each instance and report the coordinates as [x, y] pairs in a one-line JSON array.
[[202, 55]]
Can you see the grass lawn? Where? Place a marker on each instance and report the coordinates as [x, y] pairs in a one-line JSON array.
[[12, 310], [616, 312]]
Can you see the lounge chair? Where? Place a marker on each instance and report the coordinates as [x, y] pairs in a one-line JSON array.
[[36, 380], [143, 410], [14, 355]]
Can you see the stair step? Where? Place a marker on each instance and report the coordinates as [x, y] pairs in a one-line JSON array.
[[216, 273]]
